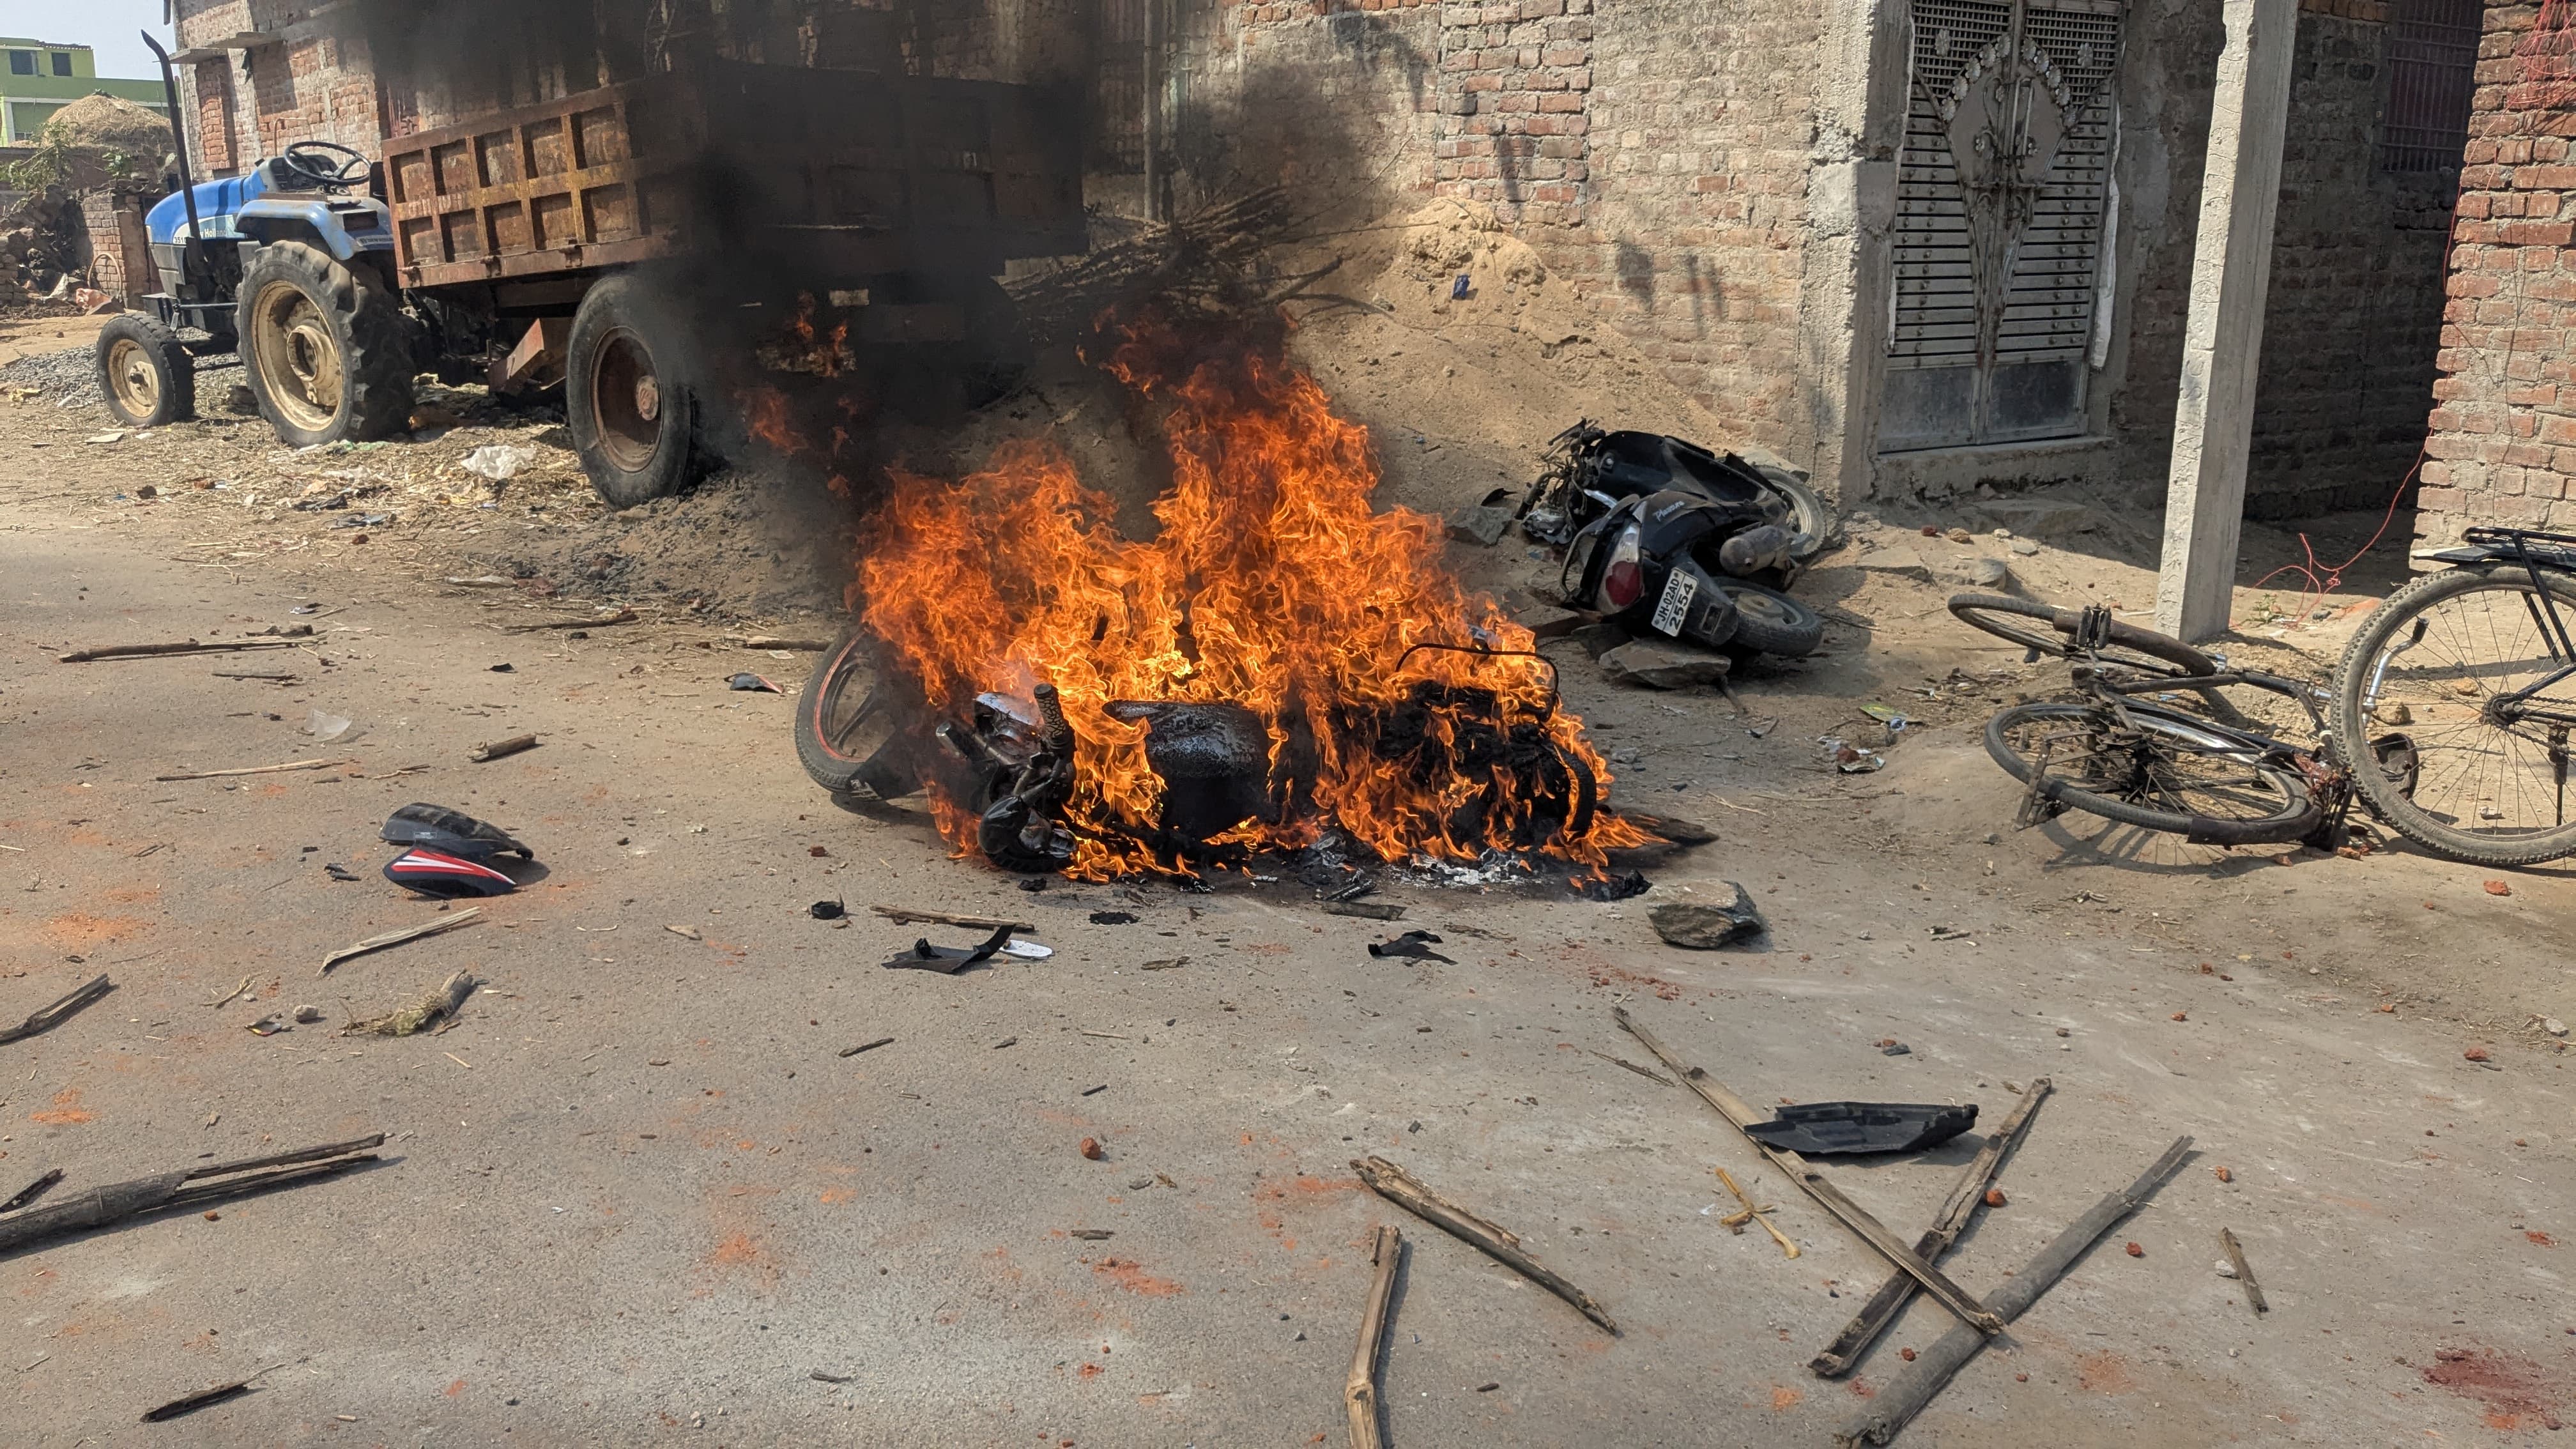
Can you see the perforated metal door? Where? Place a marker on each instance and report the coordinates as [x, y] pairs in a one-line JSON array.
[[1999, 225]]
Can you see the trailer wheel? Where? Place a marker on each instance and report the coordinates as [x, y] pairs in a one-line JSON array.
[[148, 377], [326, 347], [627, 396]]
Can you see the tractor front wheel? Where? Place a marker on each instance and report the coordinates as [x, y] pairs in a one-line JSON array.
[[326, 347], [147, 374]]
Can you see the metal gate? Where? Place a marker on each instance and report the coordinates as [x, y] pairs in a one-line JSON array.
[[2000, 220]]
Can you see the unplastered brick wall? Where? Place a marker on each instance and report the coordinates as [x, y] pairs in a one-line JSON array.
[[2503, 444], [2350, 325], [1701, 128], [1654, 152], [2355, 311]]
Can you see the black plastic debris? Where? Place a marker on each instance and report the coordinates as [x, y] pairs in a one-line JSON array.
[[1822, 1129], [1113, 918], [947, 960], [753, 683], [337, 871], [1616, 887], [450, 832], [1706, 928], [501, 669], [1034, 884], [827, 910], [1414, 944]]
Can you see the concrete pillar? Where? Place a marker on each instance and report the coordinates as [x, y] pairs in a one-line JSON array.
[[1851, 206], [2231, 269]]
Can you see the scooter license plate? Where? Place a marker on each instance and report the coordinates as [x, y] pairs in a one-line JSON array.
[[1673, 609]]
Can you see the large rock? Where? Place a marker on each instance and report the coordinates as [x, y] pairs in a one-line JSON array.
[[1706, 928], [1891, 560], [1662, 666], [1976, 571], [2037, 517]]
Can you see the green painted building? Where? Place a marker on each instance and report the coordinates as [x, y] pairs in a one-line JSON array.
[[38, 79]]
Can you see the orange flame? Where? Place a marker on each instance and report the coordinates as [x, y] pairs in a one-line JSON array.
[[1273, 585]]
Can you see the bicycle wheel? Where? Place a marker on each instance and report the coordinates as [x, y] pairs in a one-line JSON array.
[[2168, 773], [2012, 620], [2439, 663]]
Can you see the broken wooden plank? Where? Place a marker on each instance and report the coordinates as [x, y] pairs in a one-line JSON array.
[[115, 1203], [1359, 1390], [1365, 910], [902, 917], [32, 1191], [497, 749], [70, 1005], [396, 938], [601, 621], [146, 651], [256, 770], [1401, 1188], [1855, 1217], [1844, 1352], [1901, 1398], [2244, 1271], [773, 641]]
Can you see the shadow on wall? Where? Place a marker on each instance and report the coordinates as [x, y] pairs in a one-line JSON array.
[[1320, 109]]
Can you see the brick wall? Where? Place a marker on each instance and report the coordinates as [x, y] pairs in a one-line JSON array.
[[1654, 152], [120, 259], [2350, 326], [2355, 311], [2503, 445]]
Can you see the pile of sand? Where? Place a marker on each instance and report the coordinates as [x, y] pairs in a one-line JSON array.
[[108, 123], [1507, 286]]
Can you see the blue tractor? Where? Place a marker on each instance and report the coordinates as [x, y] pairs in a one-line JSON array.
[[291, 266]]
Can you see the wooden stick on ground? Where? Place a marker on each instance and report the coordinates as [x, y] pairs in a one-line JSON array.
[[396, 938], [601, 621], [55, 1015], [1905, 1396], [256, 770], [1855, 1217], [1359, 1391], [2244, 1271], [902, 917], [772, 641], [1844, 1352], [144, 651], [1752, 1214], [1401, 1188], [496, 749]]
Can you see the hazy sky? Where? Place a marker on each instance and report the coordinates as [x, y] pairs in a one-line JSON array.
[[107, 26]]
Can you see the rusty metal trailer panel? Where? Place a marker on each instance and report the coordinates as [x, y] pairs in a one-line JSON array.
[[826, 173]]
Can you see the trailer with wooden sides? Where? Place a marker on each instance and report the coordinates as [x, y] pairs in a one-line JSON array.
[[635, 244]]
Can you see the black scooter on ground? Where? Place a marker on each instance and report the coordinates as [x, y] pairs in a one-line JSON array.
[[1666, 537]]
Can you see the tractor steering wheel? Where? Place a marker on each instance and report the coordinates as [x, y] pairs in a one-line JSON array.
[[326, 164]]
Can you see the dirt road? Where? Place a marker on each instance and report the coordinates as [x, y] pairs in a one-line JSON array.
[[637, 1196]]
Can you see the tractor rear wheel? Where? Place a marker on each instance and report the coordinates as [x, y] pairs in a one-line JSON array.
[[628, 399], [147, 374], [326, 346]]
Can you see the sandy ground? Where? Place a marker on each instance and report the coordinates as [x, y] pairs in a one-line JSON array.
[[636, 1196]]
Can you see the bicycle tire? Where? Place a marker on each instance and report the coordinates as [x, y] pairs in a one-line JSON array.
[[2296, 818], [823, 735], [2162, 653], [2395, 801]]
